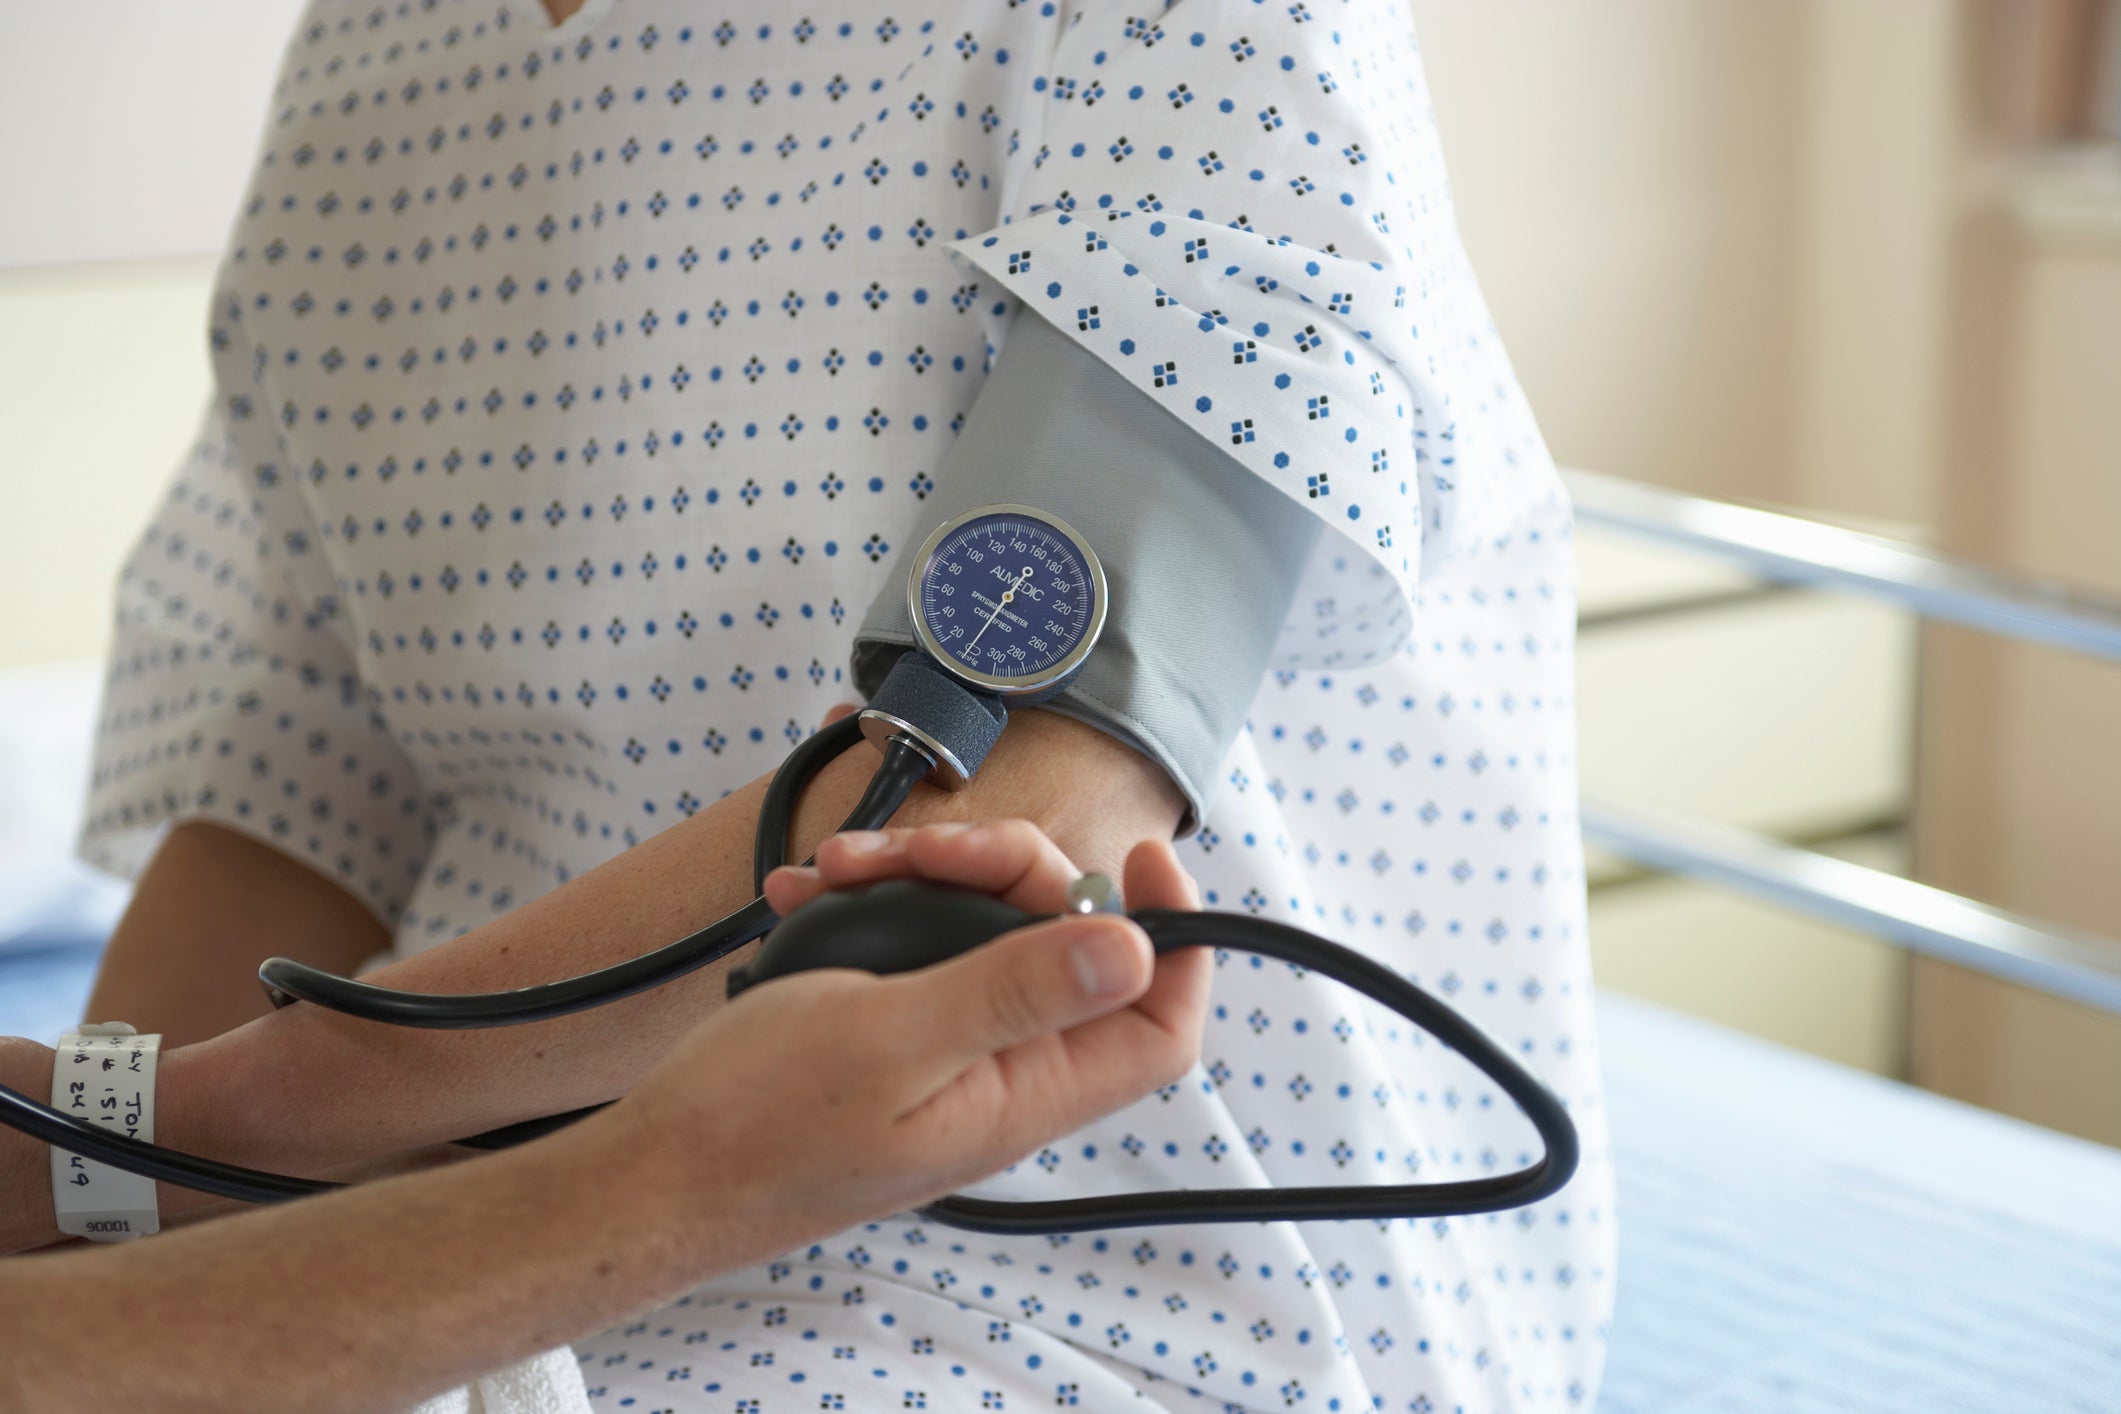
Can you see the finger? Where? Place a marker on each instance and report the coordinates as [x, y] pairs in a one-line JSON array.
[[1025, 985], [840, 709], [854, 856], [1155, 879], [1177, 998], [1056, 1083], [1012, 859], [791, 886]]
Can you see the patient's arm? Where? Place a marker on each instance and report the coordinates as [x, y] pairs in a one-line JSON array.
[[305, 1090], [1100, 768], [210, 906], [369, 1298], [372, 1298]]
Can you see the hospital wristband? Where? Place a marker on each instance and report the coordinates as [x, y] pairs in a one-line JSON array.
[[105, 1074]]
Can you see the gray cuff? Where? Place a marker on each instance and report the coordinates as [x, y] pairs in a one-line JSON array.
[[1200, 555]]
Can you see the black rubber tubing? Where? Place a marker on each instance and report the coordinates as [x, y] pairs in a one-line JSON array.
[[1169, 930], [902, 769], [288, 981], [903, 925], [92, 1141], [769, 852]]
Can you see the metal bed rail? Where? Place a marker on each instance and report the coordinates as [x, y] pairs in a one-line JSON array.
[[1792, 550], [2079, 967]]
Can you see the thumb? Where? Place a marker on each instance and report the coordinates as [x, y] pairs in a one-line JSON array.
[[1032, 982]]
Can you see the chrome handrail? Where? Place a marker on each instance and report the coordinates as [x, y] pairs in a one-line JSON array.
[[2080, 967], [1792, 550]]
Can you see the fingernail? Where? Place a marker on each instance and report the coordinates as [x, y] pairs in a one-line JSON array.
[[805, 872], [949, 827], [864, 841], [1103, 962]]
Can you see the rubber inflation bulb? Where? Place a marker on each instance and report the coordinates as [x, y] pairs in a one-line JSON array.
[[895, 926]]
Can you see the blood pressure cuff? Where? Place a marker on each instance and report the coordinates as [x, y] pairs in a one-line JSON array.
[[1201, 556]]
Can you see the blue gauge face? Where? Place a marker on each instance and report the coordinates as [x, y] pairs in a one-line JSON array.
[[1009, 597]]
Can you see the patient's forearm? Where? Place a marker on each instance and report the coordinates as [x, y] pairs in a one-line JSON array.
[[372, 1298], [304, 1089], [312, 1087], [210, 906]]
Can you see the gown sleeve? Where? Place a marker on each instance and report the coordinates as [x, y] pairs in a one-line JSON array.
[[231, 693], [1200, 556], [1220, 201]]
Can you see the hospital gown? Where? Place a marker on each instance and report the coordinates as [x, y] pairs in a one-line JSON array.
[[575, 388]]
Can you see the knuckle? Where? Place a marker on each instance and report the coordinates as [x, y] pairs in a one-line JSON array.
[[1017, 830]]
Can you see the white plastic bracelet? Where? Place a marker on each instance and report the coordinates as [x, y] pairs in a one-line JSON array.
[[106, 1075]]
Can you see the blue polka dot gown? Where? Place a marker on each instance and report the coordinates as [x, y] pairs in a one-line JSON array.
[[575, 387]]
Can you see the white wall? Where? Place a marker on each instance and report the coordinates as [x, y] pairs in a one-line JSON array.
[[102, 379], [130, 123], [130, 130]]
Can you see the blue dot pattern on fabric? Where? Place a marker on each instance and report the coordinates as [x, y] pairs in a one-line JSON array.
[[574, 390]]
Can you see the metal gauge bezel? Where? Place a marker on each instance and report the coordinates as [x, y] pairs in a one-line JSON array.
[[1006, 687]]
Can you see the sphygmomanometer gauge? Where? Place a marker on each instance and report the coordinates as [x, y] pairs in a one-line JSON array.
[[1008, 599]]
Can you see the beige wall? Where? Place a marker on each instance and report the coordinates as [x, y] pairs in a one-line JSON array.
[[1628, 177], [1716, 237], [2021, 768], [1883, 123]]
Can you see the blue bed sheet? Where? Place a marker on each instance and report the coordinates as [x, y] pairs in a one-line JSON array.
[[1795, 1236], [42, 987]]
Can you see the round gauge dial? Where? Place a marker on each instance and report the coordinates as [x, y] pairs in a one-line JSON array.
[[1008, 598]]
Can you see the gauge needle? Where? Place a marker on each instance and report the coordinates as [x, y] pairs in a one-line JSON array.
[[1007, 595]]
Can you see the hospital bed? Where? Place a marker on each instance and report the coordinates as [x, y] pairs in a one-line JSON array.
[[1795, 1235]]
